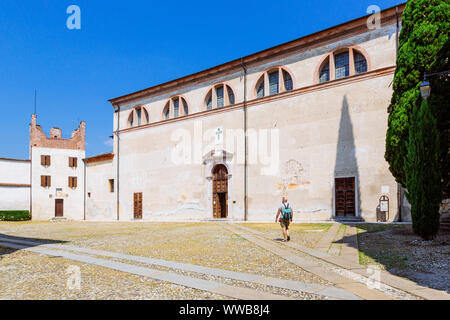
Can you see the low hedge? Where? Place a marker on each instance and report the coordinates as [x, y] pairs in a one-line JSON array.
[[15, 215]]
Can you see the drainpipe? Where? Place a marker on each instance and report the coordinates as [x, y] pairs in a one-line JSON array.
[[118, 157], [84, 195], [245, 143]]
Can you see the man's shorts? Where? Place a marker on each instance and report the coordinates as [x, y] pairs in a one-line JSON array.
[[284, 223]]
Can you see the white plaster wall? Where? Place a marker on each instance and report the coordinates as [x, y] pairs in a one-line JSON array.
[[14, 198], [379, 45], [17, 172], [43, 207], [100, 202], [315, 130]]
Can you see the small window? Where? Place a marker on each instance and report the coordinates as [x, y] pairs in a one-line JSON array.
[[111, 185], [73, 162], [72, 182], [45, 160], [224, 96], [185, 108], [46, 181], [260, 90], [273, 83], [287, 81], [209, 103], [131, 119], [139, 116], [360, 63], [342, 65], [167, 112], [230, 95], [219, 94], [89, 194], [324, 74], [175, 107]]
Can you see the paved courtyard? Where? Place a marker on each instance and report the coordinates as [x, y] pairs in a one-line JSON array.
[[211, 260]]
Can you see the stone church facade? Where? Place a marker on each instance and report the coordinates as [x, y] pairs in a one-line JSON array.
[[306, 119]]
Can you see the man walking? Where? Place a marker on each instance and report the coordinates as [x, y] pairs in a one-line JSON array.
[[285, 214]]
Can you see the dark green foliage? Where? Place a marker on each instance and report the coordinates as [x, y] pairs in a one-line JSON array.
[[423, 47], [423, 176], [23, 215]]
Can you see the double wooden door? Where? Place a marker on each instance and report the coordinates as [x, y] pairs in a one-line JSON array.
[[220, 192], [345, 197], [137, 205]]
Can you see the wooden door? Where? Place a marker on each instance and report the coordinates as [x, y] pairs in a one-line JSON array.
[[220, 191], [137, 204], [345, 197], [59, 207]]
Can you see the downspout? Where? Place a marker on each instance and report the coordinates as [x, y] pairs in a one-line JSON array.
[[245, 143], [118, 158], [31, 177], [84, 196]]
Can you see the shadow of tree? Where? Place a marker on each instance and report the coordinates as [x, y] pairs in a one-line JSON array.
[[399, 251]]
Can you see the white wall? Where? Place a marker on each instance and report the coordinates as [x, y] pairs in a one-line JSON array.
[[14, 198], [59, 170], [12, 173], [100, 201]]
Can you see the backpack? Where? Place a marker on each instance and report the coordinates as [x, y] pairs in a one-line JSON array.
[[286, 212]]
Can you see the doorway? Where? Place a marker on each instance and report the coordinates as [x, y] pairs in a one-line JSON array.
[[345, 197], [220, 191], [137, 205], [59, 207]]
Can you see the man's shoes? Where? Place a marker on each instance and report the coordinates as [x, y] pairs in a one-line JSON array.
[[288, 238]]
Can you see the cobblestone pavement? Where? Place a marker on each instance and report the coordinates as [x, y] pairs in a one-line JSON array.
[[28, 275]]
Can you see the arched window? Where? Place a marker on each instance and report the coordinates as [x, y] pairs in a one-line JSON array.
[[341, 64], [274, 81], [138, 116], [175, 107], [360, 62], [324, 73], [219, 96]]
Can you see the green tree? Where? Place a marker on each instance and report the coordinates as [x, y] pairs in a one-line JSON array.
[[422, 168], [423, 47]]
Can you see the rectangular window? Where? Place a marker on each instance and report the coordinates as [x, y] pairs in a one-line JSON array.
[[176, 108], [273, 83], [219, 93], [72, 182], [45, 160], [139, 116], [73, 162], [111, 185], [342, 65], [46, 181]]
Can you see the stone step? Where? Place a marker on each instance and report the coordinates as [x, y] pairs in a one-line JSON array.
[[348, 219], [58, 219]]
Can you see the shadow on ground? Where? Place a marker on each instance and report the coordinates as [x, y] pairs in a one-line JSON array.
[[8, 239], [399, 251]]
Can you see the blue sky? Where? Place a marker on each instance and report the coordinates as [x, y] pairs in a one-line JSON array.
[[125, 46]]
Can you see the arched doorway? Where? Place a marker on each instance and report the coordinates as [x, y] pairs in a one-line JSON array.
[[220, 191]]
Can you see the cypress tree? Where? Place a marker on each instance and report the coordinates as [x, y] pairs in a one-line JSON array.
[[422, 168], [423, 47]]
